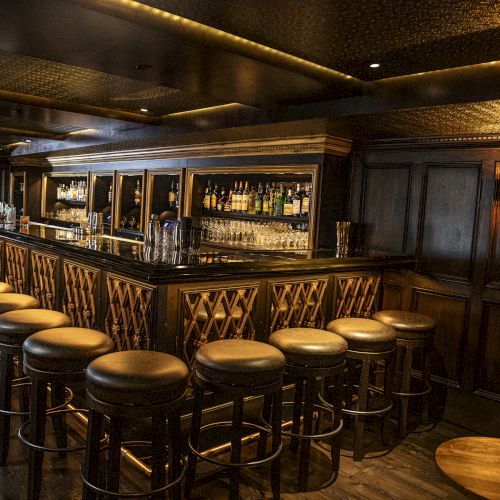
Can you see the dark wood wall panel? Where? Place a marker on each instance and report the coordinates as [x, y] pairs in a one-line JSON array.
[[493, 278], [448, 220], [488, 373], [450, 314], [391, 296], [385, 207]]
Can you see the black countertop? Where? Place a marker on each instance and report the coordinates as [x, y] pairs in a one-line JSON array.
[[137, 260]]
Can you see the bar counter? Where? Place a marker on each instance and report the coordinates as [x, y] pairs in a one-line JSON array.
[[177, 302]]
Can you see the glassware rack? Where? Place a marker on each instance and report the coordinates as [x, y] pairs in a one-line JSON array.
[[261, 207]]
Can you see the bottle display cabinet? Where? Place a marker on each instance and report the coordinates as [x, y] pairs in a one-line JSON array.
[[65, 197], [18, 190], [129, 204], [102, 196], [164, 194], [260, 207]]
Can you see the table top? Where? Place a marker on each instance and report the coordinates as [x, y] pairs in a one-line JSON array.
[[473, 462]]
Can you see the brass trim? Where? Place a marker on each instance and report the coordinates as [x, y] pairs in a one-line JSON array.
[[12, 176], [291, 145], [150, 175]]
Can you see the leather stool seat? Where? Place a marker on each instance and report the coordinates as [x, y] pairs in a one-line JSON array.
[[220, 313], [6, 288], [239, 362], [364, 335], [309, 346], [409, 325], [15, 301], [65, 349], [16, 326], [137, 377]]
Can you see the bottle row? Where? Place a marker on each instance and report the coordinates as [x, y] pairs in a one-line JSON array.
[[76, 191], [274, 199]]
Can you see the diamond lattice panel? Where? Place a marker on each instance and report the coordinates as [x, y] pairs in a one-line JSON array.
[[43, 279], [357, 296], [16, 260], [38, 77]]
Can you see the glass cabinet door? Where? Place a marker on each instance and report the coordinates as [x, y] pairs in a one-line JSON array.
[[129, 204], [164, 195], [18, 192], [102, 196]]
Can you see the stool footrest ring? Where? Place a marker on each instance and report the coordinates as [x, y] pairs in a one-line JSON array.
[[253, 463], [29, 444], [103, 491], [413, 394], [381, 411], [13, 413]]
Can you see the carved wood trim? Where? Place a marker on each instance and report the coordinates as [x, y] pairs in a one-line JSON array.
[[80, 290], [216, 314], [357, 296], [298, 303], [128, 320], [44, 270], [16, 263]]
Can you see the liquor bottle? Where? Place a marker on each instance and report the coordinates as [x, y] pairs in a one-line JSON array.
[[237, 194], [306, 200], [110, 194], [265, 201], [208, 197], [258, 200], [137, 193], [58, 192], [297, 201], [251, 200], [171, 196], [213, 198], [176, 196], [228, 206], [84, 190], [221, 202], [288, 204], [244, 198], [280, 198]]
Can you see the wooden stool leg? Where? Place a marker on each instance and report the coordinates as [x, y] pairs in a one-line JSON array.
[[305, 445], [174, 423], [297, 412], [57, 396], [91, 464], [266, 415], [359, 422], [114, 454], [236, 435], [37, 436], [194, 438], [276, 442], [6, 374], [426, 383], [159, 453], [337, 417], [405, 387]]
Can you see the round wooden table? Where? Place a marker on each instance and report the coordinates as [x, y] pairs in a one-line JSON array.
[[472, 462]]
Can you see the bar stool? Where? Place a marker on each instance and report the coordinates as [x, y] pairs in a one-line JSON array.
[[238, 368], [56, 355], [15, 301], [369, 343], [415, 332], [132, 385], [6, 288], [312, 356]]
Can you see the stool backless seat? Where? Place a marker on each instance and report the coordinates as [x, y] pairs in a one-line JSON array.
[[6, 288], [415, 333], [15, 301]]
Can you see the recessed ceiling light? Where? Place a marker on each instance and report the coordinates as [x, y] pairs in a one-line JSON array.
[[27, 140], [374, 65], [144, 110]]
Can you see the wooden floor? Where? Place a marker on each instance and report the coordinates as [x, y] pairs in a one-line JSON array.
[[405, 471]]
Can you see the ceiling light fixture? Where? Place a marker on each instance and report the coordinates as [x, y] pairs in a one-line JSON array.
[[28, 140], [375, 65], [144, 110]]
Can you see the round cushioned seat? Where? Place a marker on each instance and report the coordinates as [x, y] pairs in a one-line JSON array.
[[16, 326], [309, 346], [220, 313], [15, 301], [65, 349], [409, 325], [240, 362], [365, 335], [6, 288], [137, 377]]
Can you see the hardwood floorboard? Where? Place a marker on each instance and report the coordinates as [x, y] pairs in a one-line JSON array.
[[407, 471]]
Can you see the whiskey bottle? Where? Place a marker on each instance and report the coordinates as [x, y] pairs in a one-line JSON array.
[[266, 201], [296, 202], [288, 204], [244, 198], [176, 196], [237, 194], [137, 193], [213, 198], [221, 201], [229, 203], [306, 200], [171, 196], [258, 200], [207, 197], [110, 194], [251, 201], [279, 201]]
